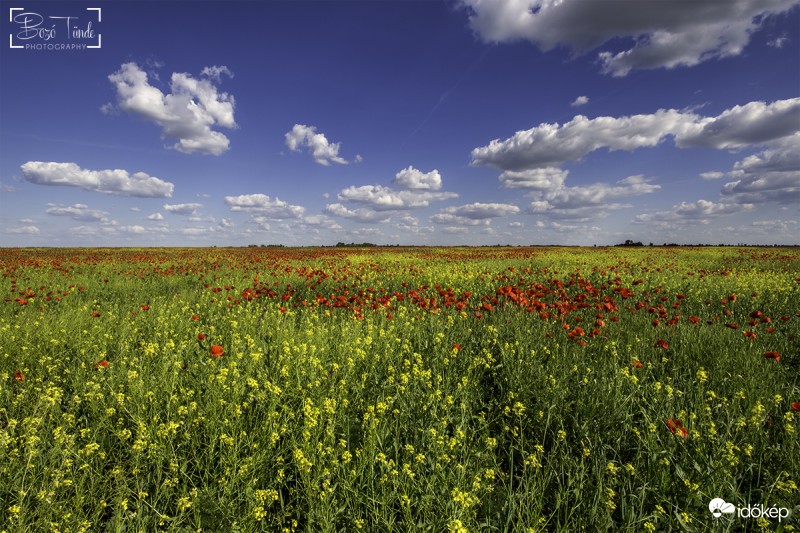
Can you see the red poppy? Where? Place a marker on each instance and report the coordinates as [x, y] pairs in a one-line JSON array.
[[750, 334], [95, 314], [756, 314], [661, 343], [636, 363], [216, 350], [487, 307], [732, 326], [769, 330], [772, 355], [655, 323], [145, 308], [201, 336], [102, 364], [732, 298], [19, 376], [195, 317], [796, 406], [457, 347], [694, 319], [676, 427]]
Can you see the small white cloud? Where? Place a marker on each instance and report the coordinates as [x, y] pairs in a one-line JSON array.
[[117, 182], [579, 101], [778, 42], [24, 230], [362, 215], [263, 204], [79, 212], [712, 175], [323, 151], [216, 72], [183, 209], [155, 216], [413, 179]]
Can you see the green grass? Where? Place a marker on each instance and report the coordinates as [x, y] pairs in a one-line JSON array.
[[323, 418]]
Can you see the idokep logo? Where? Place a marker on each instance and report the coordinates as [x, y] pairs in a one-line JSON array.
[[718, 507], [33, 30]]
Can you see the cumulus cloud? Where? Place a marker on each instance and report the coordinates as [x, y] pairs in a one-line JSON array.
[[383, 198], [79, 212], [117, 182], [363, 215], [186, 114], [323, 151], [24, 230], [474, 214], [544, 179], [746, 125], [265, 206], [413, 179], [155, 216], [590, 201], [183, 209], [579, 101], [549, 145], [216, 72], [700, 211], [662, 34]]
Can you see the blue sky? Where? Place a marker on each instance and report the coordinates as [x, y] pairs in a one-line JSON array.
[[461, 122]]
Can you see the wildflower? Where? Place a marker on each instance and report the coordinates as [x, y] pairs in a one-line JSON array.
[[216, 350], [675, 426], [95, 314], [732, 326], [661, 343], [636, 363], [796, 406], [102, 364], [456, 347], [195, 317], [145, 308], [772, 355], [694, 319], [201, 336], [19, 376], [750, 334]]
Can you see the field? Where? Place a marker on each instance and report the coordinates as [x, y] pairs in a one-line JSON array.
[[398, 389]]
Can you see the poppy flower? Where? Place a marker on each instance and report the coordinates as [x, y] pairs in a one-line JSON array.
[[102, 364], [732, 298], [756, 314], [750, 334], [19, 376], [195, 317], [661, 343], [95, 314], [457, 347], [772, 355], [769, 330], [732, 326], [145, 308], [201, 336], [676, 427], [694, 319], [655, 323], [796, 406], [216, 350], [636, 363]]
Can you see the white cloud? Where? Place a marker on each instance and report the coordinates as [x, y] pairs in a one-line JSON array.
[[712, 175], [579, 101], [141, 230], [321, 150], [664, 34], [544, 179], [187, 113], [515, 224], [216, 72], [413, 179], [117, 182], [363, 215], [691, 212], [473, 214], [24, 230], [383, 198], [80, 212], [155, 216], [454, 230], [322, 221], [590, 201], [750, 124], [183, 209], [778, 42], [547, 145], [263, 204], [226, 223], [552, 144]]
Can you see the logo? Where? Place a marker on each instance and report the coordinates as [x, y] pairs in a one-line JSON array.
[[718, 507], [31, 30]]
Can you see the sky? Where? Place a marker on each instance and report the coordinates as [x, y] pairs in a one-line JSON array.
[[458, 122]]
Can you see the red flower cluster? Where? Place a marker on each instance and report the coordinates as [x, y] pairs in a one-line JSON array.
[[676, 427]]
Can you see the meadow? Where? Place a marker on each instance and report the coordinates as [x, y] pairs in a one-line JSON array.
[[398, 389]]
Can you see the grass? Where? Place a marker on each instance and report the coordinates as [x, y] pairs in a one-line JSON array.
[[531, 395]]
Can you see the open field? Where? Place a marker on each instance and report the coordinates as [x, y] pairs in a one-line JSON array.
[[398, 389]]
